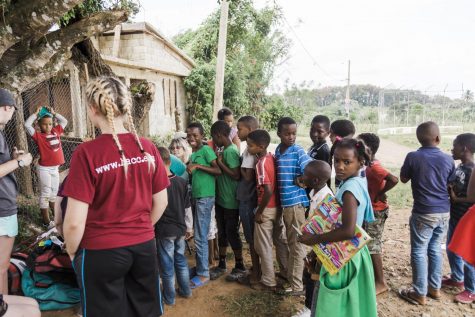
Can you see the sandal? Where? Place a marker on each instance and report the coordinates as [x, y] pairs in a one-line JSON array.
[[196, 282], [411, 296]]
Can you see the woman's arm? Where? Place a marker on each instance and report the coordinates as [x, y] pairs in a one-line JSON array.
[[159, 203], [58, 215], [347, 229], [74, 224]]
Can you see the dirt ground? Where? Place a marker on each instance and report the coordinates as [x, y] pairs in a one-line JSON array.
[[215, 298]]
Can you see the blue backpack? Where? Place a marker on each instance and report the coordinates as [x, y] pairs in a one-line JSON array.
[[49, 292]]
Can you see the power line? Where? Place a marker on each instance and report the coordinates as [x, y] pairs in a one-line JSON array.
[[315, 62]]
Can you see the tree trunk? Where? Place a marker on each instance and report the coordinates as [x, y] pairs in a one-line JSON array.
[[25, 181]]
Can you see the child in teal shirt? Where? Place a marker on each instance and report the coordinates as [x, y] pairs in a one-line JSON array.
[[351, 291]]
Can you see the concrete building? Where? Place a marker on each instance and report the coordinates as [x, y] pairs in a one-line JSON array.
[[137, 52]]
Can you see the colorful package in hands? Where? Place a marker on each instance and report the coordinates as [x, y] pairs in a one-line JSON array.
[[327, 217]]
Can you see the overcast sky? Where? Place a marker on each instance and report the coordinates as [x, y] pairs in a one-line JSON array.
[[417, 44]]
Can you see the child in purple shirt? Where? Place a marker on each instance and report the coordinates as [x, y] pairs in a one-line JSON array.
[[429, 170]]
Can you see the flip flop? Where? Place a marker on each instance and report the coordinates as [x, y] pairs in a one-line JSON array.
[[196, 282]]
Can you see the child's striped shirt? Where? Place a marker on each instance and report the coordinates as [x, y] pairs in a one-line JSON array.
[[290, 165]]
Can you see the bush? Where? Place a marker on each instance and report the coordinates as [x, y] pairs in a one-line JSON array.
[[275, 110]]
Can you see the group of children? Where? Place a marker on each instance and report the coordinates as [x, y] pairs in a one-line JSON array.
[[271, 194]]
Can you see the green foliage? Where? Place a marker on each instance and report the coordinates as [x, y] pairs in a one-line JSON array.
[[275, 110], [254, 45], [89, 7]]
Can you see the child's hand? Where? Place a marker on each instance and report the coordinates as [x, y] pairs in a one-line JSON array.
[[38, 110], [298, 181], [453, 196], [258, 218], [220, 156], [381, 197], [189, 235], [191, 167], [52, 111], [307, 239]]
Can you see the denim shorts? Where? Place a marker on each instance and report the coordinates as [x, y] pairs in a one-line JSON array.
[[9, 226]]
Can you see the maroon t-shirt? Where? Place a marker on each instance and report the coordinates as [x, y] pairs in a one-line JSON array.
[[119, 206]]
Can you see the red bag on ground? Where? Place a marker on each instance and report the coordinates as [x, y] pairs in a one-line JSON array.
[[15, 272], [43, 260]]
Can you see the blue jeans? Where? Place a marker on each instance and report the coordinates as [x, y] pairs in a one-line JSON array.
[[171, 254], [427, 232], [246, 213], [460, 270], [202, 220]]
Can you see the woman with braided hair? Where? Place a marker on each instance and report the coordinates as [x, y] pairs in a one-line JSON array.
[[117, 192]]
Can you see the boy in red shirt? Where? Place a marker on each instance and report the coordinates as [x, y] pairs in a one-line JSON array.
[[48, 139], [268, 216], [380, 181]]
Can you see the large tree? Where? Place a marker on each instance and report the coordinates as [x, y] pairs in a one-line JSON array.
[[38, 37], [254, 46]]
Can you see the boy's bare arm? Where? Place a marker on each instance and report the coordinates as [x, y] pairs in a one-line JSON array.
[[248, 174], [391, 181], [233, 172], [213, 169], [264, 202]]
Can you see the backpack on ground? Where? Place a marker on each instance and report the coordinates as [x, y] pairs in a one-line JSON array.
[[48, 292]]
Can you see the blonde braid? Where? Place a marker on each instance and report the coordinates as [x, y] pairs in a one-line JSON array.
[[150, 159], [109, 105], [99, 92]]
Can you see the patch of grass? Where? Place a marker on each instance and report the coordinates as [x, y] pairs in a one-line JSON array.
[[410, 140], [400, 196], [258, 304]]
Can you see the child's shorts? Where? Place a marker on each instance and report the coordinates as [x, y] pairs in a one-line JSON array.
[[375, 230], [9, 226]]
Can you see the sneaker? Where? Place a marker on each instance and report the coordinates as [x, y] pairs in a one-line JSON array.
[[216, 273], [465, 297], [235, 275], [448, 282], [304, 312]]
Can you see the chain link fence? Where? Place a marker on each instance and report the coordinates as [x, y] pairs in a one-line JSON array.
[[56, 93]]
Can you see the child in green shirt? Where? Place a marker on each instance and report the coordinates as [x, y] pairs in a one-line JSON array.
[[203, 169], [227, 206]]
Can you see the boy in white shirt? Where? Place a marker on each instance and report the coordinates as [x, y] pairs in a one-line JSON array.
[[315, 177]]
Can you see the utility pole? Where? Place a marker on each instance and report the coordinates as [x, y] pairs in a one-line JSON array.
[[443, 106], [221, 60], [347, 97]]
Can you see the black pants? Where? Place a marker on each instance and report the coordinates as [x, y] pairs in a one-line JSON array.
[[227, 221], [119, 282]]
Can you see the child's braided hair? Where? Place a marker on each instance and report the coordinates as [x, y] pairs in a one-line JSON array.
[[360, 148], [112, 99]]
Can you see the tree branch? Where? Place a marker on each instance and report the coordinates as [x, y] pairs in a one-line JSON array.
[[48, 56], [29, 20]]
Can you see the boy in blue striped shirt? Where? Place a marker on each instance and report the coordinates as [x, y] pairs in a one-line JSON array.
[[291, 160]]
